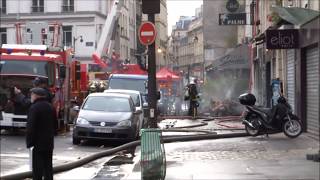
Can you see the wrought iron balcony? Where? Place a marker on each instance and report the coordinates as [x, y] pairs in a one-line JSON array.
[[67, 8], [36, 9]]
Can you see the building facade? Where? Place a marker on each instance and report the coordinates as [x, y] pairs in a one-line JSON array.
[[296, 68], [187, 44], [217, 39], [82, 23]]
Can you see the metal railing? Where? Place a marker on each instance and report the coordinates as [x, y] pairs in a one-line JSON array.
[[36, 9], [67, 8]]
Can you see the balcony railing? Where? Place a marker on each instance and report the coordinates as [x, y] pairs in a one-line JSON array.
[[66, 8], [36, 9]]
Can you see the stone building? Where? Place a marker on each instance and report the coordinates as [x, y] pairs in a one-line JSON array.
[[294, 66]]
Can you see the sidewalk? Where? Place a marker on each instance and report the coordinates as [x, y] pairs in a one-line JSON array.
[[240, 158]]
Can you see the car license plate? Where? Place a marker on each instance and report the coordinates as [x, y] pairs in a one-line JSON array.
[[15, 124], [102, 130]]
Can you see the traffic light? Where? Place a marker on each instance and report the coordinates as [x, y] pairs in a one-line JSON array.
[[151, 6]]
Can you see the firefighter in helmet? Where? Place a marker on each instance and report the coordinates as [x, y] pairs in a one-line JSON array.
[[193, 97]]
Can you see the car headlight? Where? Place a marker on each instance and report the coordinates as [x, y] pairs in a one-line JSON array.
[[82, 121], [126, 123]]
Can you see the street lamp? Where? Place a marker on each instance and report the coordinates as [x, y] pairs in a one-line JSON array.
[[159, 50], [74, 42]]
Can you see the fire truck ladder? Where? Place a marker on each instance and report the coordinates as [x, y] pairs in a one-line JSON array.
[[107, 37]]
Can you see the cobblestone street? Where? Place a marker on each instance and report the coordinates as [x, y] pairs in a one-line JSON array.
[[276, 157]]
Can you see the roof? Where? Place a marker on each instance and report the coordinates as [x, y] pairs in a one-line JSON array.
[[166, 74], [122, 91], [295, 15], [129, 76], [109, 95], [238, 58]]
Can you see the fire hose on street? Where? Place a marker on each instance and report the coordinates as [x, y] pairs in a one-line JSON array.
[[93, 157], [220, 120]]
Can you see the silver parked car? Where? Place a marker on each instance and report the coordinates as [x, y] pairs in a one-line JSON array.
[[138, 100], [107, 116]]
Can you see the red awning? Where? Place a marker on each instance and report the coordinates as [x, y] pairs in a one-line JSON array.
[[166, 74]]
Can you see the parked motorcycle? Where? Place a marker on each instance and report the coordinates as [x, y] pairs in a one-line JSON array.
[[259, 120]]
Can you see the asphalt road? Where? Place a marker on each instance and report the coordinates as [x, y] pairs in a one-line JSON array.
[[15, 156], [277, 157]]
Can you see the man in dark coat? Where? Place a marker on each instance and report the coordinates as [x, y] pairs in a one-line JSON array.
[[40, 134], [37, 82]]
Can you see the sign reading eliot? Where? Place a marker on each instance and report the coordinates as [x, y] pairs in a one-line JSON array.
[[282, 39]]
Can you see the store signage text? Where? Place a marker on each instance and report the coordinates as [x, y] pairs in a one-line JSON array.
[[233, 19], [282, 39]]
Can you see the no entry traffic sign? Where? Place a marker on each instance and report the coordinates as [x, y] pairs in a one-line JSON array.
[[147, 33]]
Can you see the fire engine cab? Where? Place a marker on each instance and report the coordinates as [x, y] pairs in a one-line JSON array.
[[21, 63]]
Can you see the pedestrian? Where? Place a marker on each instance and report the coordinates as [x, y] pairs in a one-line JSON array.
[[40, 134], [40, 82]]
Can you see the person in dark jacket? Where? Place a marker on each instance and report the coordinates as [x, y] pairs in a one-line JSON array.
[[40, 134], [37, 82], [193, 97]]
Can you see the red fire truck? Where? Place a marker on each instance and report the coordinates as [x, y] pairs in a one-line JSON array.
[[104, 54], [20, 63]]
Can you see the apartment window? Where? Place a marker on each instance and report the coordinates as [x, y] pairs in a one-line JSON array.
[[67, 36], [37, 5], [68, 6], [3, 35], [3, 6]]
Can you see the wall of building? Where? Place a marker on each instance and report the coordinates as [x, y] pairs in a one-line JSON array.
[[87, 21], [217, 38]]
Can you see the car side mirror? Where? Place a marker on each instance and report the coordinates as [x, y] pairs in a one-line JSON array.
[[76, 108], [158, 95], [62, 70], [138, 111]]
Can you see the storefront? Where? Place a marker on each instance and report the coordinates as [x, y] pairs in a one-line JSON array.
[[290, 80], [308, 77], [312, 89], [302, 62]]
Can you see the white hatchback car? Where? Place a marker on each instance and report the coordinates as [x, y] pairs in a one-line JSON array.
[[137, 98]]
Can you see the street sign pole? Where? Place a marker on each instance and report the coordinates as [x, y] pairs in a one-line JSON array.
[[152, 83]]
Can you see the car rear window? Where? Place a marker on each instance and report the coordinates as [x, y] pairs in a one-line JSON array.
[[135, 97], [128, 84], [107, 104]]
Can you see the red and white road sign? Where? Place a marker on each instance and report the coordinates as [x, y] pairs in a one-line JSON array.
[[147, 33]]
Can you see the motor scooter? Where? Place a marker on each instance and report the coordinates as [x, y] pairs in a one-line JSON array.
[[279, 118]]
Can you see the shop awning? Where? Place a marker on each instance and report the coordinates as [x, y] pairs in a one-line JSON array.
[[238, 58], [294, 15], [166, 74]]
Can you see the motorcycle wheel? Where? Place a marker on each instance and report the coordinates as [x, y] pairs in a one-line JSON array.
[[251, 131], [292, 128]]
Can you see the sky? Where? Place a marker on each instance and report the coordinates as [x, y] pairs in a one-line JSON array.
[[177, 8]]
